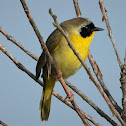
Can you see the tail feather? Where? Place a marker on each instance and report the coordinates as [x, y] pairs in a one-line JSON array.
[[45, 101]]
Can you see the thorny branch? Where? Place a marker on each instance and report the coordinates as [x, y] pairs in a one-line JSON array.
[[88, 71], [21, 67], [68, 84], [69, 94]]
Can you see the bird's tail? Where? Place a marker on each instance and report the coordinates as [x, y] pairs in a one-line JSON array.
[[45, 101]]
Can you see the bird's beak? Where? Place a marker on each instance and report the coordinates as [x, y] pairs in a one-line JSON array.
[[97, 29]]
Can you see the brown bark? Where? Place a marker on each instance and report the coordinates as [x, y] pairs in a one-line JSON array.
[[123, 87]]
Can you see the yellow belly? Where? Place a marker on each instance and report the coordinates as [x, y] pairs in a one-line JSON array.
[[64, 57]]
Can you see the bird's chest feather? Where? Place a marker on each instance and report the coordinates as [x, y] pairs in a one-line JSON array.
[[64, 57]]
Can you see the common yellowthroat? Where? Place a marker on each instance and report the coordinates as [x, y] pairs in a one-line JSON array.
[[81, 32]]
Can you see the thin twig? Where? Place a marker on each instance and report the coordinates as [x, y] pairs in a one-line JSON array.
[[89, 73], [77, 9], [97, 70], [21, 67], [3, 124], [85, 122], [18, 44], [68, 92], [40, 38], [122, 67], [123, 87], [84, 97], [71, 106], [100, 79], [105, 17]]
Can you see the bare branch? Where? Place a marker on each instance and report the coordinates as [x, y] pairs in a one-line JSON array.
[[3, 124], [98, 72], [85, 122], [21, 67], [105, 17], [18, 44], [89, 73], [99, 77], [77, 9], [40, 38], [50, 59], [71, 106], [84, 97], [123, 87]]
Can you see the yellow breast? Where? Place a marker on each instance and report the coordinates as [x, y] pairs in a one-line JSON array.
[[81, 44], [64, 57]]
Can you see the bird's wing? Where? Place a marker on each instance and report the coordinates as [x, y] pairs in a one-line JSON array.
[[54, 40], [52, 44]]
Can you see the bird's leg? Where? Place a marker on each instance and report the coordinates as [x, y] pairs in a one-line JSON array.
[[66, 89]]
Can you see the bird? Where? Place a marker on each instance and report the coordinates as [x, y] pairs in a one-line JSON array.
[[81, 32]]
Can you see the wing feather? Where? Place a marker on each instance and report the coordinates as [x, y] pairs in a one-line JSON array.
[[52, 44]]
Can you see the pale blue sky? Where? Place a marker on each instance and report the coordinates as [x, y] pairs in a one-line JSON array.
[[20, 95]]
